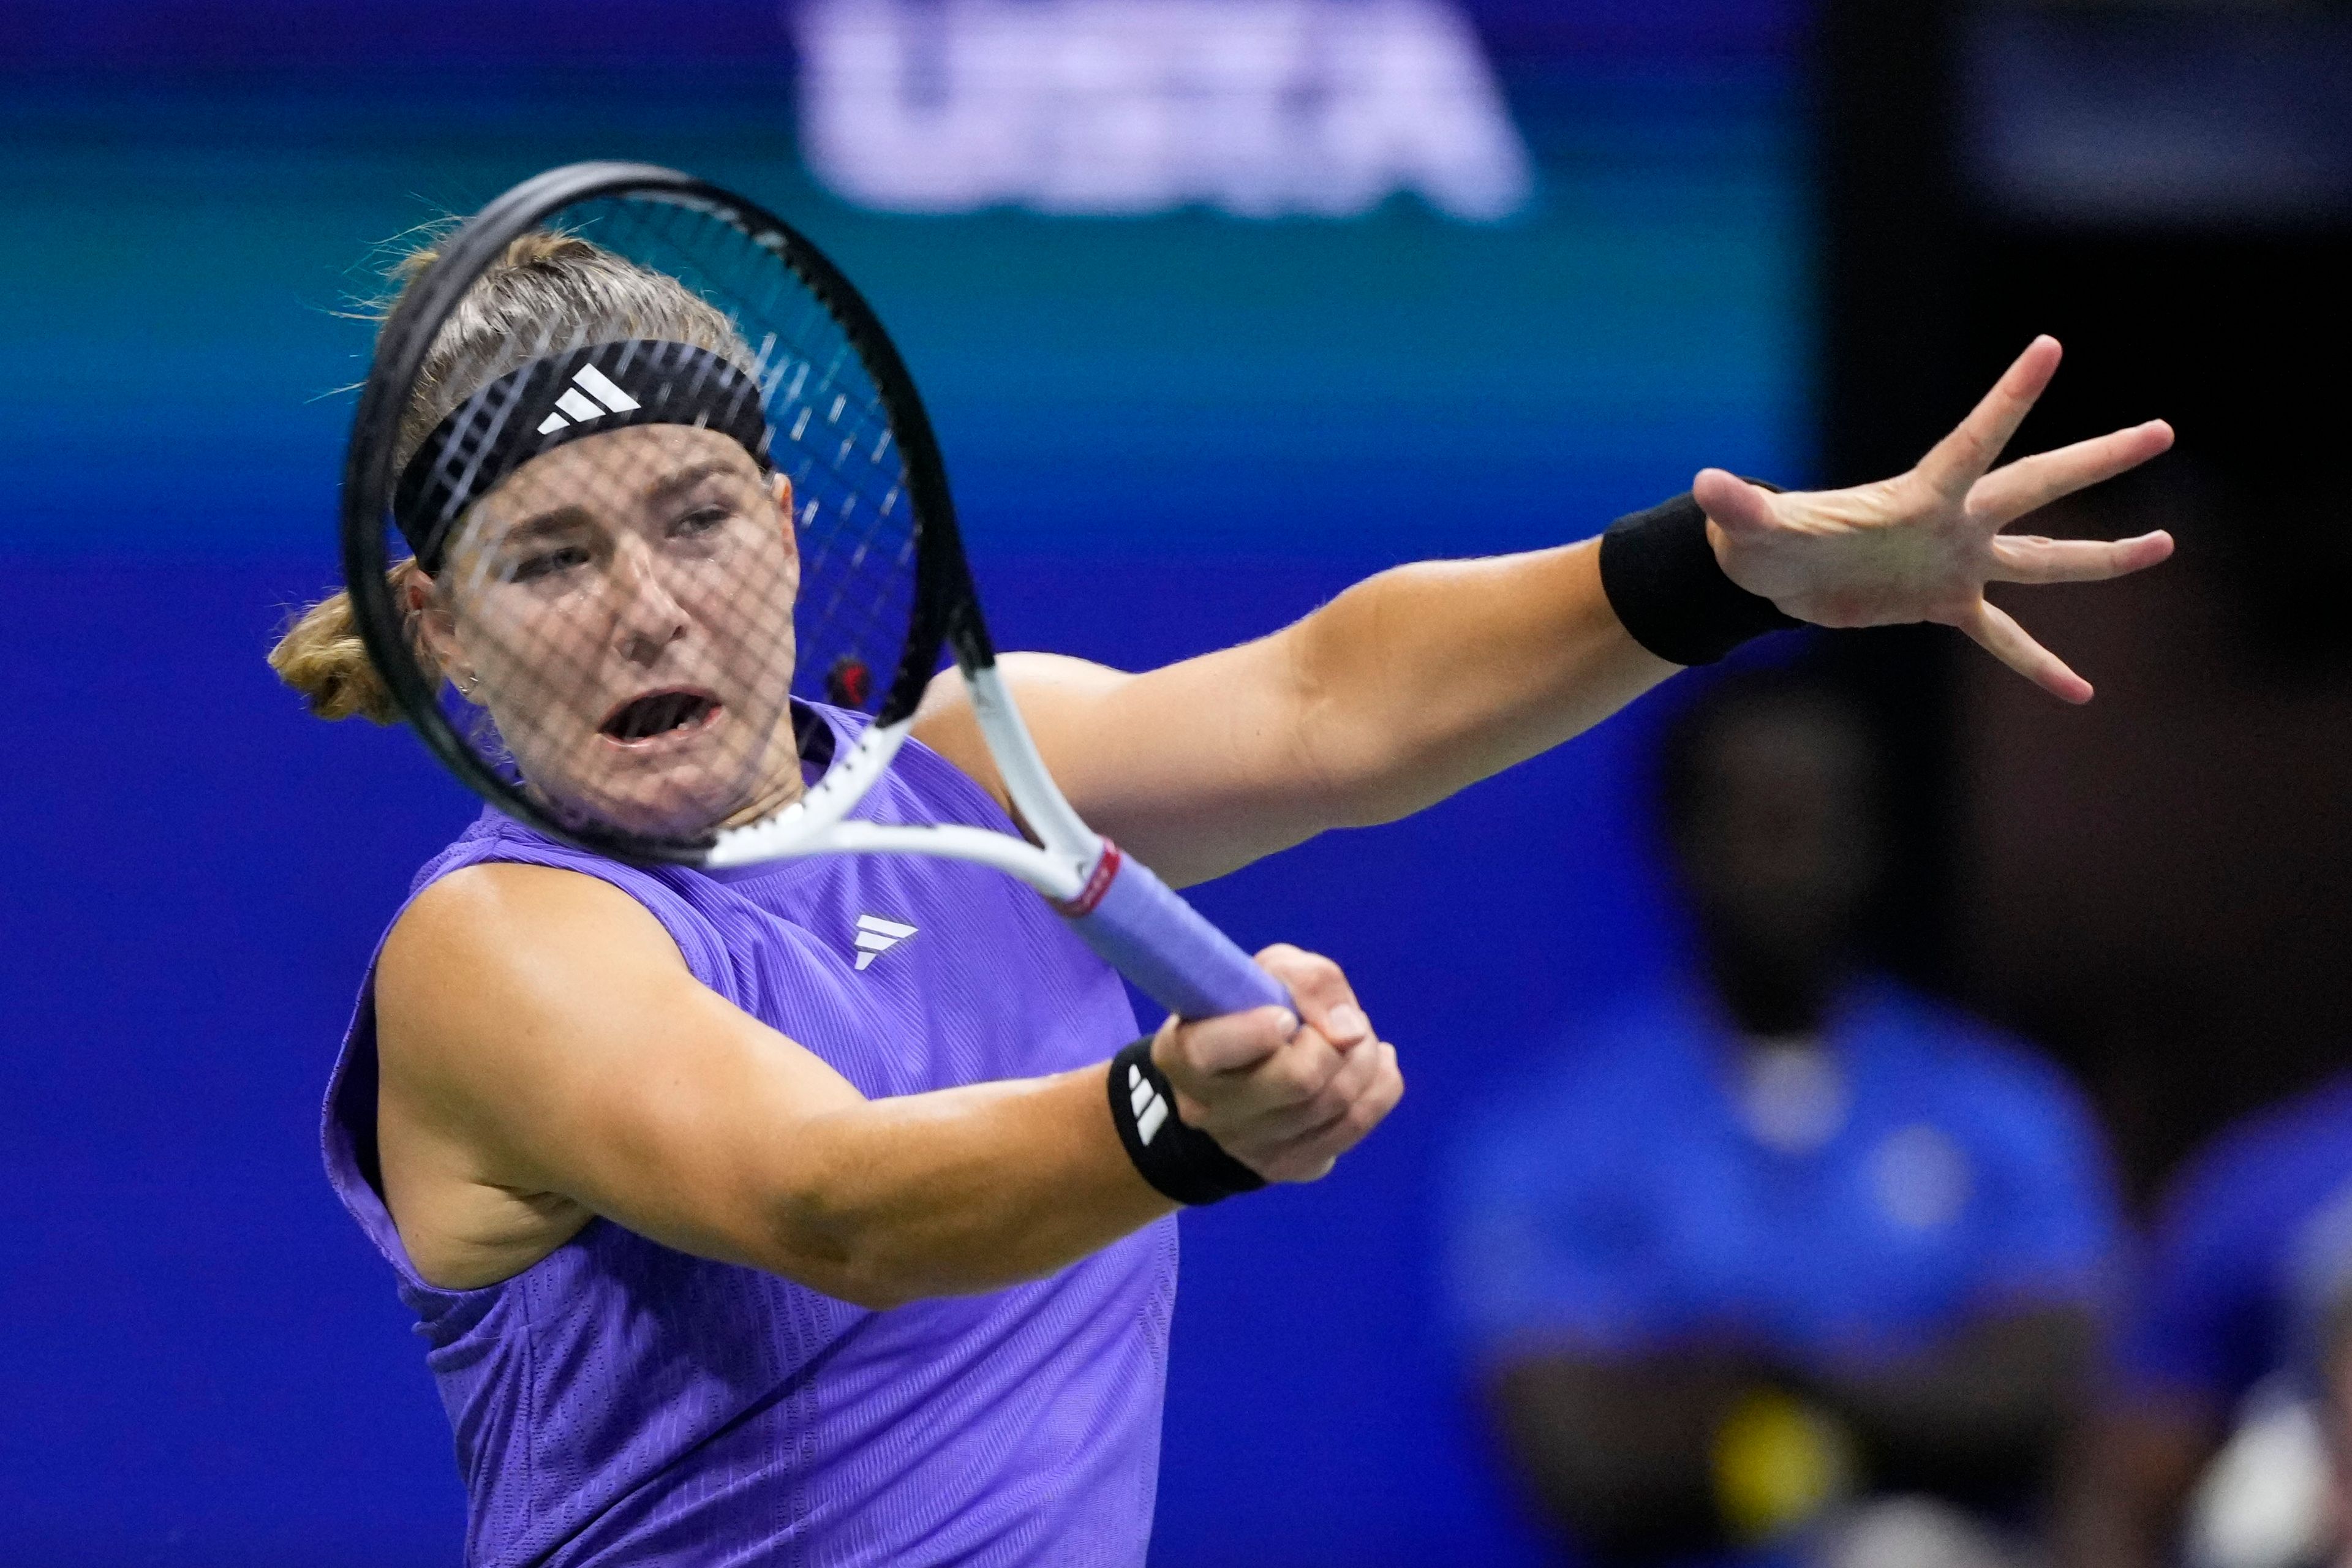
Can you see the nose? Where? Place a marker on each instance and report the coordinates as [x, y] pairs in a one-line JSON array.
[[648, 618]]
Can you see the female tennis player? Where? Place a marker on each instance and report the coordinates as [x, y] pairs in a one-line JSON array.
[[776, 1214]]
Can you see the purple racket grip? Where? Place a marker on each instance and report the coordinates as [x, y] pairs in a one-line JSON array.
[[1148, 933]]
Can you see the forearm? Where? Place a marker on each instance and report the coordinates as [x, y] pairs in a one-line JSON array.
[[957, 1191], [1424, 680], [1405, 688], [2127, 1474], [974, 1188], [1621, 1454], [586, 1070]]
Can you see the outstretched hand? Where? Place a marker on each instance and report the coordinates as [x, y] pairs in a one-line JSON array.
[[1922, 546]]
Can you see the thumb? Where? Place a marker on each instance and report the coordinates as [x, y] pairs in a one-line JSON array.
[[1735, 506]]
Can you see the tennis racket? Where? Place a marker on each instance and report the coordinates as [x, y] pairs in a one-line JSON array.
[[614, 633]]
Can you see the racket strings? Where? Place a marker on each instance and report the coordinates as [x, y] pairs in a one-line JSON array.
[[835, 428]]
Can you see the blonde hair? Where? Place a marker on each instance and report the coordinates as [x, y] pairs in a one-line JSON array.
[[548, 289]]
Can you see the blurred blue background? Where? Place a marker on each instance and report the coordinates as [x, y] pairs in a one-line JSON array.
[[1168, 430]]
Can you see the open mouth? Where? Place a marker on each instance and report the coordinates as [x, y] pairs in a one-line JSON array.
[[658, 713]]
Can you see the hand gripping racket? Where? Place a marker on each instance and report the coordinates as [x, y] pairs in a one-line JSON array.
[[620, 613]]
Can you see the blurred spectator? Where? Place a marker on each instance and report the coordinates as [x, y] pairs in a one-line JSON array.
[[2213, 1446], [1782, 1263], [2335, 1385]]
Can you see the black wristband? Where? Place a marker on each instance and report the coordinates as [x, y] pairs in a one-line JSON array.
[[1182, 1162], [1666, 586]]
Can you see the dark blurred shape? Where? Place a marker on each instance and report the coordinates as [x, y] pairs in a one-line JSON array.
[[2159, 115], [2147, 884], [2213, 1446], [2157, 886], [1783, 1255], [1892, 260]]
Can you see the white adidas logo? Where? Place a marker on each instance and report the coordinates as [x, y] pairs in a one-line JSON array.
[[1149, 1109], [591, 395], [876, 936]]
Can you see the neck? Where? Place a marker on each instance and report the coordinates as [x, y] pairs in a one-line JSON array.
[[1769, 997], [789, 748]]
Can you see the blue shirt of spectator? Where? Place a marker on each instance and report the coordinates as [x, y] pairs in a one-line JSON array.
[[2253, 1237], [1647, 1189]]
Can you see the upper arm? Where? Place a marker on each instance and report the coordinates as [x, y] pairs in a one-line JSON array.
[[1409, 686], [544, 1022], [1196, 768]]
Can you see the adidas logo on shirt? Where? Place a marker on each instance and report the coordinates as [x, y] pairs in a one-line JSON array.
[[876, 936], [1149, 1109], [591, 395]]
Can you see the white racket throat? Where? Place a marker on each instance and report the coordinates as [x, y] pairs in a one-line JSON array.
[[1058, 866]]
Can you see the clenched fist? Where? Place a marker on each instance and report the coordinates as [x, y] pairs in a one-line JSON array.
[[1286, 1095]]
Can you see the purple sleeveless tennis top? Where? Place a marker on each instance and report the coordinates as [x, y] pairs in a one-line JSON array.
[[619, 1401]]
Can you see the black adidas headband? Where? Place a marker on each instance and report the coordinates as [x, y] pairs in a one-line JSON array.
[[537, 407]]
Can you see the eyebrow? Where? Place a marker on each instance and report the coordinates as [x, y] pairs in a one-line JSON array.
[[556, 519], [686, 478], [571, 514]]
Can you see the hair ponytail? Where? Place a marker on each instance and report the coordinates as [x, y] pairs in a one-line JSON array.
[[321, 656]]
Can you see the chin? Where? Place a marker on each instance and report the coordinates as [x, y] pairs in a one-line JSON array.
[[682, 799], [678, 808], [679, 786]]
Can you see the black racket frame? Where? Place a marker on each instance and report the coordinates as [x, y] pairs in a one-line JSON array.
[[946, 610]]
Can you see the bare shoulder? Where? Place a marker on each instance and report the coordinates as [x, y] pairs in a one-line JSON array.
[[475, 901], [490, 949], [482, 973]]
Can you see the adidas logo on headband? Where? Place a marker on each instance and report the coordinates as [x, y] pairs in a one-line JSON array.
[[596, 388], [591, 395]]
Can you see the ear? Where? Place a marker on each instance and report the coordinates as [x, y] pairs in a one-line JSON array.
[[434, 628]]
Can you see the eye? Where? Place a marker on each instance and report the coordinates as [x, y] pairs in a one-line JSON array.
[[548, 563], [701, 520]]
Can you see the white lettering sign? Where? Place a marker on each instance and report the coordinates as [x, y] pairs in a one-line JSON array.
[[1260, 107]]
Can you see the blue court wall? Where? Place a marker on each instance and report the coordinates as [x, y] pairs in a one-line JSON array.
[[1165, 433]]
